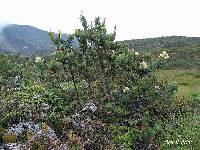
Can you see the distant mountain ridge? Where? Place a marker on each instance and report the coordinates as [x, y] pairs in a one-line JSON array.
[[24, 39], [184, 51], [162, 42]]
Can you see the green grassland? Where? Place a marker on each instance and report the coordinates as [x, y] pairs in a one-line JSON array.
[[188, 80]]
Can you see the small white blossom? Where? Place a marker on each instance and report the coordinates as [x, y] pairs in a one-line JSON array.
[[126, 89], [131, 50], [37, 96], [88, 43], [113, 51], [38, 59], [53, 53], [136, 53], [164, 55], [143, 64], [157, 87]]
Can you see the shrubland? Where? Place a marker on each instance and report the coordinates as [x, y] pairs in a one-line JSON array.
[[97, 96]]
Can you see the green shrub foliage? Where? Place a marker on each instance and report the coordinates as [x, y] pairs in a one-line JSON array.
[[118, 80]]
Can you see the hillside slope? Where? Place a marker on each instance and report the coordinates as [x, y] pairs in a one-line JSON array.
[[24, 39], [184, 51], [163, 42]]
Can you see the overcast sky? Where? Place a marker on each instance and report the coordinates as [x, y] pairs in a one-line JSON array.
[[133, 18]]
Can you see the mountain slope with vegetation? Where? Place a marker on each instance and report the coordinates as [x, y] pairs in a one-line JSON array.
[[24, 39], [169, 42], [184, 51]]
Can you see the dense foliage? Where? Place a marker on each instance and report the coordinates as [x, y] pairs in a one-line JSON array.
[[100, 95]]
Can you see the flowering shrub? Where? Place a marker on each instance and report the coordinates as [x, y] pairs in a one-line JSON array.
[[119, 81]]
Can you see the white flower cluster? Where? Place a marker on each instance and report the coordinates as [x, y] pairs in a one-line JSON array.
[[38, 59], [36, 96], [54, 53], [113, 52], [136, 53], [88, 43], [143, 65], [157, 87], [126, 89], [131, 50], [164, 55]]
